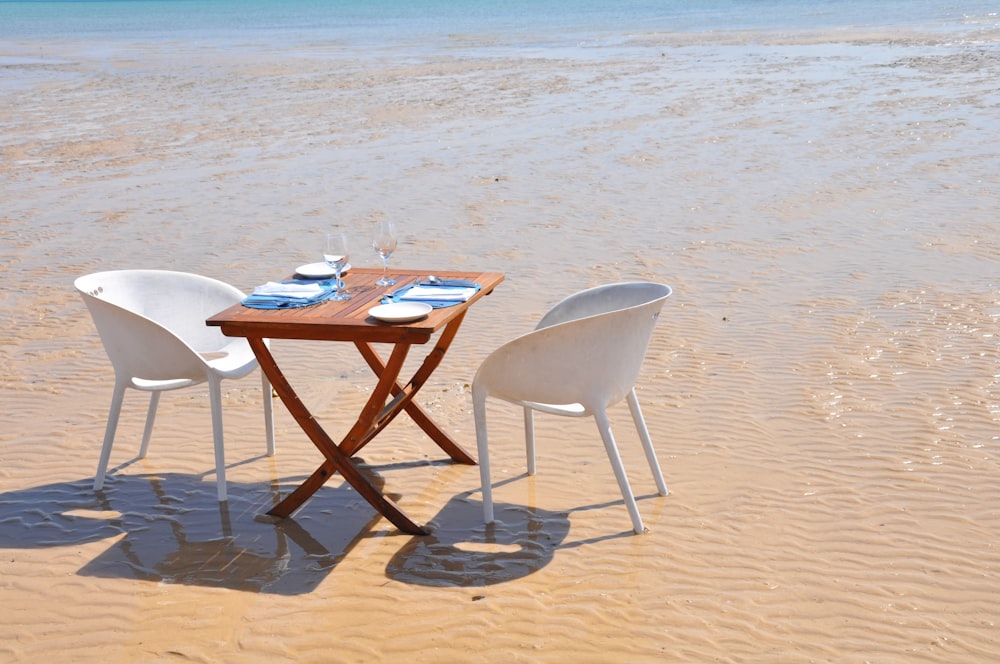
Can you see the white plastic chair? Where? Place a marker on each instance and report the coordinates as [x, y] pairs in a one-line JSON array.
[[152, 324], [583, 357]]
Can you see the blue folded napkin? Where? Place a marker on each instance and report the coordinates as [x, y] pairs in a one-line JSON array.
[[438, 296], [290, 294]]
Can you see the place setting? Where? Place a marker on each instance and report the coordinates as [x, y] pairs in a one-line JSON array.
[[434, 292], [416, 300], [314, 283], [413, 301], [290, 294]]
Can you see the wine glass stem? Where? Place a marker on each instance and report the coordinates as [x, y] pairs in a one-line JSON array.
[[340, 284], [385, 268]]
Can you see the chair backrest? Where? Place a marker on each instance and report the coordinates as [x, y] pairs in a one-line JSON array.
[[603, 299], [152, 322], [589, 349]]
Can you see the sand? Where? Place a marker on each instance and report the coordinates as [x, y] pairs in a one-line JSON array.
[[823, 387]]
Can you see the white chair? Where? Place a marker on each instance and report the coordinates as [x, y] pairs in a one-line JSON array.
[[584, 356], [152, 324]]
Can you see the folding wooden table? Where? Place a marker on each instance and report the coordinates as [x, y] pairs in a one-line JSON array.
[[349, 321]]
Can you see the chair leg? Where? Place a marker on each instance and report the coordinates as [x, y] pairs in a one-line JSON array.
[[215, 395], [479, 414], [616, 464], [147, 432], [117, 397], [529, 438], [268, 413], [647, 443]]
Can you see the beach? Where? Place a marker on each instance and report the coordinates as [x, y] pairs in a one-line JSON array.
[[823, 386]]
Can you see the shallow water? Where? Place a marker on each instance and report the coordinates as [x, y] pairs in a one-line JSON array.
[[822, 388], [421, 23]]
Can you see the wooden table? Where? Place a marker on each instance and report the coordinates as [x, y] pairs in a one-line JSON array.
[[349, 321]]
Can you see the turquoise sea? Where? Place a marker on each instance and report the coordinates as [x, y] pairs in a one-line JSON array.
[[381, 21]]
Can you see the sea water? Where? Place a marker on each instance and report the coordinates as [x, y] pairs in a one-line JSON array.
[[364, 22]]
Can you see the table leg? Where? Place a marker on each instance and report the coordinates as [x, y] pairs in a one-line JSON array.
[[336, 459], [403, 396], [376, 415]]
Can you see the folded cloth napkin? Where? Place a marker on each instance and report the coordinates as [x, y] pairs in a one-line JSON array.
[[443, 293], [288, 294], [289, 289], [436, 296]]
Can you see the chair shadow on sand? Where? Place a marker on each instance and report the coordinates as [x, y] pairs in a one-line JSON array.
[[462, 551], [170, 528]]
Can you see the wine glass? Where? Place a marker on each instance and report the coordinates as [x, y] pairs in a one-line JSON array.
[[384, 243], [335, 254]]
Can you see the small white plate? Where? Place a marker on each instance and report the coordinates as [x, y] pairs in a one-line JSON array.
[[318, 270], [400, 312]]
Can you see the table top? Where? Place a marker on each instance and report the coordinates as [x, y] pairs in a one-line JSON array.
[[348, 320]]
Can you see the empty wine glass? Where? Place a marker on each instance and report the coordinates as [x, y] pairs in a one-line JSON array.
[[384, 243], [336, 255]]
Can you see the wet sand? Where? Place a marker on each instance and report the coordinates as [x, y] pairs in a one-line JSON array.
[[823, 387]]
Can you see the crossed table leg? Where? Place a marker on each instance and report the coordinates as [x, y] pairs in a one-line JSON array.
[[374, 417]]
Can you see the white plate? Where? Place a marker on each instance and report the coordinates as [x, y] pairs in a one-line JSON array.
[[400, 312], [318, 270]]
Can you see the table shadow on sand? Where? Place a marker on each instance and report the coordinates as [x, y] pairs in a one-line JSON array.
[[170, 528]]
